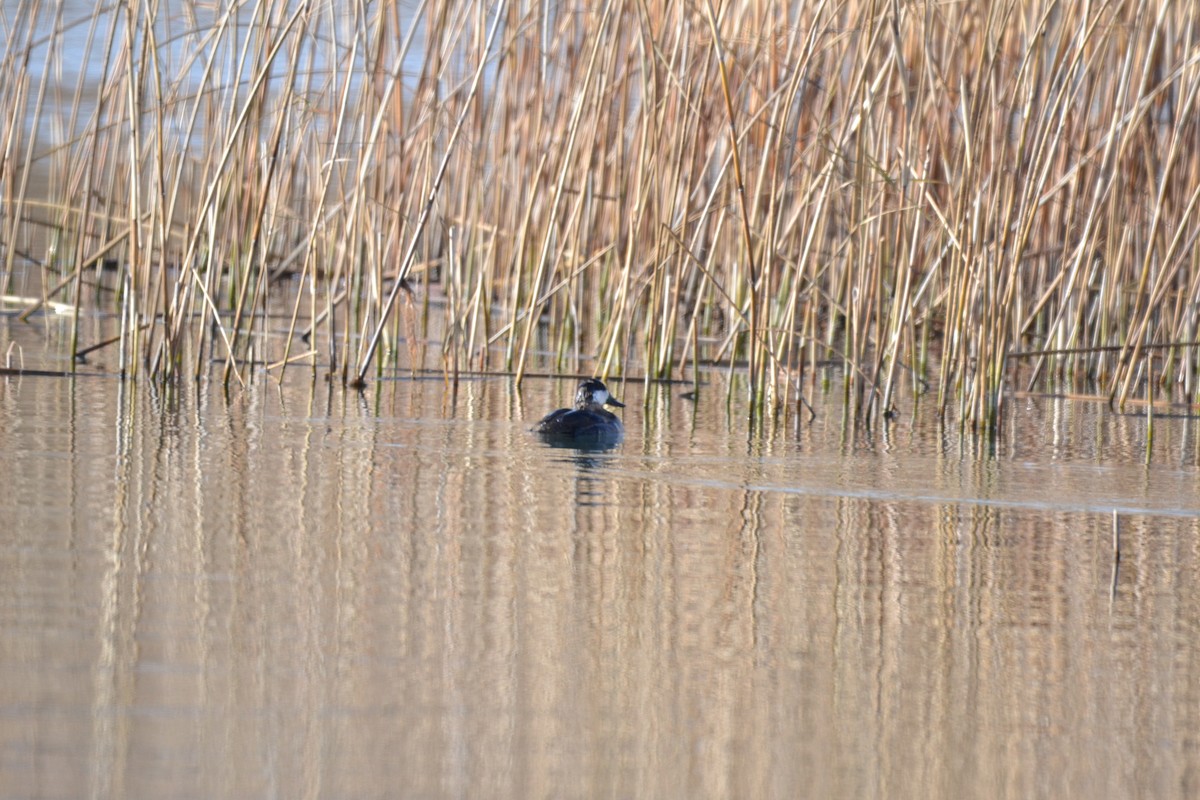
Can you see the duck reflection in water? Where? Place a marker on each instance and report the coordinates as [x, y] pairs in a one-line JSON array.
[[589, 424]]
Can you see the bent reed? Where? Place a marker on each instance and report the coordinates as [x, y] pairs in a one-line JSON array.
[[927, 194]]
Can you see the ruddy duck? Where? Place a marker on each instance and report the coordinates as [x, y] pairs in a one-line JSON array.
[[589, 420]]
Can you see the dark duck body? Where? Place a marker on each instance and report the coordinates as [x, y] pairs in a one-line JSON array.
[[589, 420]]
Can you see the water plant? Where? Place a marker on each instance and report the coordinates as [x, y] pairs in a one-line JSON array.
[[923, 193]]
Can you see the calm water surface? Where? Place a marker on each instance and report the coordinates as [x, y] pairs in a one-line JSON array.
[[295, 592]]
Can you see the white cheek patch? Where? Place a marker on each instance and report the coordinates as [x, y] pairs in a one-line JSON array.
[[599, 397]]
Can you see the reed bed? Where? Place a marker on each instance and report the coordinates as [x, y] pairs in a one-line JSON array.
[[956, 200]]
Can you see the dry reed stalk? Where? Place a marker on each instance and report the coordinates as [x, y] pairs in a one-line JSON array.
[[867, 182], [569, 143], [365, 358]]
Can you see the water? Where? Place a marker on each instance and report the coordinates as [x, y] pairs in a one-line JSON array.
[[294, 591]]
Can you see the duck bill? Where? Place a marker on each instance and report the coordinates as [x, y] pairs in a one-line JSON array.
[[612, 401]]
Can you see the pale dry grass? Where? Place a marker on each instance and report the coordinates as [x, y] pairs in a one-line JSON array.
[[924, 193]]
